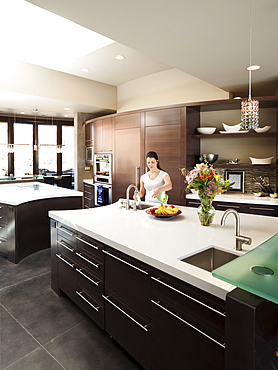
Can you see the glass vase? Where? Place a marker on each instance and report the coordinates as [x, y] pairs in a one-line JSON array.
[[206, 211]]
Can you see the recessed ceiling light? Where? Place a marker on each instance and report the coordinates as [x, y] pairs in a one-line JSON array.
[[66, 108], [22, 112], [85, 70], [119, 57], [237, 97], [254, 67], [66, 115]]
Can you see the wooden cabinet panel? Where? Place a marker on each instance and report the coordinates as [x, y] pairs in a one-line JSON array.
[[126, 161], [130, 120], [261, 209], [98, 136], [103, 135], [168, 116], [88, 195], [222, 206], [165, 140], [89, 137]]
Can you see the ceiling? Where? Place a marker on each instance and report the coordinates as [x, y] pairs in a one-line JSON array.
[[207, 39]]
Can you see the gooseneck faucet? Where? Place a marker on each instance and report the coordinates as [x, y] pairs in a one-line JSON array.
[[127, 196], [239, 238]]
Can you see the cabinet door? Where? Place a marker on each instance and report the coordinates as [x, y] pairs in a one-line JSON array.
[[89, 134], [88, 196], [165, 140], [127, 161], [186, 321], [107, 135], [98, 136]]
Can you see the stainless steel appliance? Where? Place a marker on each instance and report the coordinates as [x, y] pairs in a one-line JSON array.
[[103, 179], [89, 155]]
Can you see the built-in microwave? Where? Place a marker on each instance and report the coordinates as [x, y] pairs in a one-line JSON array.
[[89, 155]]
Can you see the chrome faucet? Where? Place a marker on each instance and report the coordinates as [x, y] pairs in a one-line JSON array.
[[239, 238], [127, 196]]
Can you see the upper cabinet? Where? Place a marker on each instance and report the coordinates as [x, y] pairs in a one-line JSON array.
[[89, 135], [103, 135]]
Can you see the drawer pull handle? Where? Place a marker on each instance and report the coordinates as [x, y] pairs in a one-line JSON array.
[[84, 241], [188, 296], [226, 205], [62, 259], [262, 209], [63, 244], [127, 263], [144, 327], [187, 323], [86, 300], [87, 277], [87, 260], [65, 230], [88, 192], [196, 203], [87, 198]]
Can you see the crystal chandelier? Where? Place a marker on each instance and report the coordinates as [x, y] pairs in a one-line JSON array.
[[250, 107]]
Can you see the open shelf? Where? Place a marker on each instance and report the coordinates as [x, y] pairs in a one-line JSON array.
[[227, 136]]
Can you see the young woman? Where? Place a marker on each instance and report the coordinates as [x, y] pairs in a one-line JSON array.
[[155, 181]]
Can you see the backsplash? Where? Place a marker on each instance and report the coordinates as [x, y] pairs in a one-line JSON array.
[[250, 173]]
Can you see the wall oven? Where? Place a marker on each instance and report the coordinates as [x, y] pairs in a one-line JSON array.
[[103, 179]]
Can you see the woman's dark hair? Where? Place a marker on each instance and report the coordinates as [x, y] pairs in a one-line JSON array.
[[155, 156]]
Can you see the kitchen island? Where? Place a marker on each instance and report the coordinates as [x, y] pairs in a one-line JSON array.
[[125, 269], [24, 222]]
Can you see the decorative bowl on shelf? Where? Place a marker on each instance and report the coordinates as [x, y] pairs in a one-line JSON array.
[[231, 128], [261, 160], [206, 130], [261, 130], [273, 195], [211, 158]]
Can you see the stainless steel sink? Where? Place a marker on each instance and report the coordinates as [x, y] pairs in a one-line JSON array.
[[210, 258], [143, 206]]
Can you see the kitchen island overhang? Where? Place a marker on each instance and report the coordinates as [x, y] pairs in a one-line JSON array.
[[24, 216], [163, 243]]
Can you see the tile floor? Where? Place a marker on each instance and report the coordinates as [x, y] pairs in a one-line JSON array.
[[41, 331]]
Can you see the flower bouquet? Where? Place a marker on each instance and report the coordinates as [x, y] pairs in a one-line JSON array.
[[204, 179]]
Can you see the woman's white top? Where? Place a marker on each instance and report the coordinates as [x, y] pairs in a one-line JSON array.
[[151, 185]]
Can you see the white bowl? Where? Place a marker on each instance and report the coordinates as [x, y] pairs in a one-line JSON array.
[[261, 160], [206, 130], [231, 128], [273, 195], [261, 130]]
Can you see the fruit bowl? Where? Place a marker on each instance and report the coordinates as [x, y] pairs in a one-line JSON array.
[[151, 211]]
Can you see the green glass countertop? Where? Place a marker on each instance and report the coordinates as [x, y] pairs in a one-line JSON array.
[[239, 271]]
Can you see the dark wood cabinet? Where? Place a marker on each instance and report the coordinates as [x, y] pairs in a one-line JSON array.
[[88, 195], [127, 297], [89, 134], [188, 326], [127, 167], [103, 135], [258, 209], [3, 229]]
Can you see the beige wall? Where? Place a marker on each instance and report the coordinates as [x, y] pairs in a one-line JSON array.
[[165, 88]]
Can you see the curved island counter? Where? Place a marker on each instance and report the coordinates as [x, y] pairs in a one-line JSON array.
[[126, 270], [24, 222]]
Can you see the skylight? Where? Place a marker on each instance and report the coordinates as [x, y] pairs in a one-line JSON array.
[[37, 36]]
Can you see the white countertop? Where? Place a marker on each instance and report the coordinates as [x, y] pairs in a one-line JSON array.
[[89, 181], [15, 194], [161, 243], [240, 198]]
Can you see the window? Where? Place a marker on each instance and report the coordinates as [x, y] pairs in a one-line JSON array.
[[47, 151], [68, 149], [23, 149], [3, 149]]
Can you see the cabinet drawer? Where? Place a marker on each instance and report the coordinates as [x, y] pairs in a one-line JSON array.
[[3, 214], [128, 279], [262, 209], [90, 246], [222, 206], [91, 283], [92, 307], [67, 274], [65, 244], [66, 233], [89, 190], [193, 203], [88, 203], [90, 262], [200, 309], [131, 330], [3, 231]]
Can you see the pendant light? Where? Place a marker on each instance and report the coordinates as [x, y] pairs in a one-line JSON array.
[[250, 107]]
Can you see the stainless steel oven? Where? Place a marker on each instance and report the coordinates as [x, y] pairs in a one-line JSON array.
[[103, 179]]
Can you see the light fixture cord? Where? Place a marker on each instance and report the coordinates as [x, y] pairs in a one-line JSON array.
[[250, 50]]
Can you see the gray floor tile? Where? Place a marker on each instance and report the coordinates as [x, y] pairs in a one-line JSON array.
[[86, 347], [36, 360], [13, 336]]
